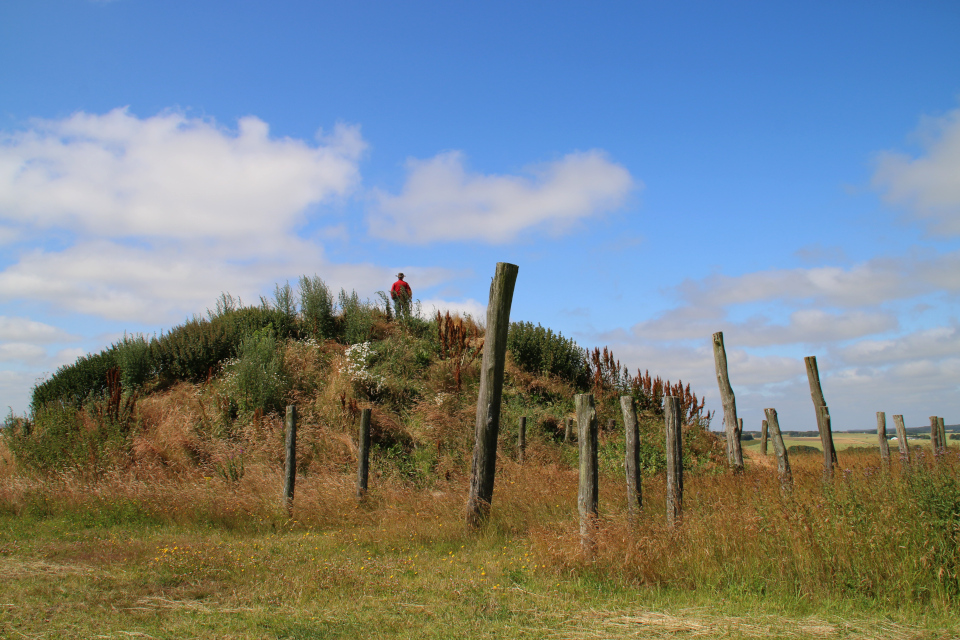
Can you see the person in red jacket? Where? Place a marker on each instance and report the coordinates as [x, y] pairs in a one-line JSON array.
[[401, 294]]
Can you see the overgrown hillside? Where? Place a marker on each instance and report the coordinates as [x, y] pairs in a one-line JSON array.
[[207, 396]]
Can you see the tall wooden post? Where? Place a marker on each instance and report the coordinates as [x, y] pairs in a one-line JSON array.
[[588, 494], [935, 436], [826, 441], [763, 438], [816, 393], [632, 457], [783, 460], [522, 438], [674, 453], [491, 389], [943, 434], [882, 438], [290, 463], [902, 443], [731, 426], [363, 457]]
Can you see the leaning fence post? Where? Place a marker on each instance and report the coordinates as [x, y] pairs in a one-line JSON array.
[[783, 460], [588, 494], [826, 441], [522, 438], [882, 438], [363, 467], [902, 443], [763, 438], [484, 467], [734, 449], [935, 436], [674, 454], [816, 393], [632, 456], [290, 466]]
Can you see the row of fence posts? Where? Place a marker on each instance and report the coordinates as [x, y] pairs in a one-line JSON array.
[[488, 424]]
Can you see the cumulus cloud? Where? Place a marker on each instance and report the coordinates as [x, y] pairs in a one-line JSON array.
[[16, 329], [872, 282], [927, 184], [156, 216], [932, 343], [169, 176], [442, 200]]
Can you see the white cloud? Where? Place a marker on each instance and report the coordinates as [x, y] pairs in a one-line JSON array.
[[22, 352], [933, 343], [929, 185], [27, 330], [169, 176], [441, 200], [869, 283]]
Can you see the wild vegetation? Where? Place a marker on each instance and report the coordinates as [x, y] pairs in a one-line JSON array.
[[148, 478]]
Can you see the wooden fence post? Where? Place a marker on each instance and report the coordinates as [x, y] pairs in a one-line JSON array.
[[826, 441], [902, 443], [363, 466], [290, 465], [783, 460], [763, 438], [632, 456], [674, 453], [522, 438], [882, 438], [816, 393], [491, 390], [935, 436], [588, 494], [943, 435], [730, 423], [568, 430]]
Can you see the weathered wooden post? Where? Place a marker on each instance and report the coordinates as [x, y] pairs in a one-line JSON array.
[[522, 438], [763, 438], [730, 423], [290, 463], [829, 460], [935, 436], [491, 389], [783, 460], [363, 456], [943, 434], [882, 438], [902, 443], [632, 456], [674, 453], [568, 430], [588, 494], [816, 393]]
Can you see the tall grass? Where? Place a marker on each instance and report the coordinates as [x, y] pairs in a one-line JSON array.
[[869, 537]]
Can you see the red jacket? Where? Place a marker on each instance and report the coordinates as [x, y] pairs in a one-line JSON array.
[[398, 287]]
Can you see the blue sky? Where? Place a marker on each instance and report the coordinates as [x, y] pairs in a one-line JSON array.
[[788, 174]]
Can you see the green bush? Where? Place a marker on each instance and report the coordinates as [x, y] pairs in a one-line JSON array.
[[135, 359], [256, 378], [73, 384], [540, 350], [316, 307], [56, 438], [356, 318]]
